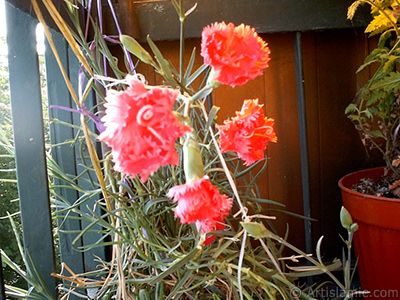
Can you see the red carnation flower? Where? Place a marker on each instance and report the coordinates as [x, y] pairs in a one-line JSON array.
[[141, 129], [237, 54], [248, 133], [199, 201]]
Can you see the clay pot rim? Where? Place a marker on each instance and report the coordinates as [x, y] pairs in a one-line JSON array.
[[348, 190]]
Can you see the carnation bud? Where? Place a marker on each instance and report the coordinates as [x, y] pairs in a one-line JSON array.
[[211, 78], [353, 227], [136, 49], [192, 160], [345, 218]]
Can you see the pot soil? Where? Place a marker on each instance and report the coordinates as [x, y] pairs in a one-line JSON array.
[[377, 242]]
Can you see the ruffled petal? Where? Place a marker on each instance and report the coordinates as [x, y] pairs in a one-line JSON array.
[[237, 53], [141, 129], [248, 133]]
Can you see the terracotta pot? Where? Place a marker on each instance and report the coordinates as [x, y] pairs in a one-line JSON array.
[[377, 242]]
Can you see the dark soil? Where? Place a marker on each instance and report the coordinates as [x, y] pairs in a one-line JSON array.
[[384, 187]]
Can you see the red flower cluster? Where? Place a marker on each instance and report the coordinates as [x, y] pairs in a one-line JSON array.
[[141, 129], [237, 54], [248, 133], [200, 202]]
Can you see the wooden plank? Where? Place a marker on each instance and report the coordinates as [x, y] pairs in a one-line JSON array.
[[26, 7], [58, 94], [94, 234], [160, 21], [284, 167], [159, 18], [338, 56], [313, 134], [29, 143]]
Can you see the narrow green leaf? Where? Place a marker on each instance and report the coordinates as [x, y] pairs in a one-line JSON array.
[[319, 250], [177, 8], [196, 74], [160, 58], [256, 230], [190, 65], [306, 271], [176, 265], [191, 10], [136, 49], [179, 284]]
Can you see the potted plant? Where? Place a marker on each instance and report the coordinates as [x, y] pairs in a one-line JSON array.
[[372, 196], [177, 191]]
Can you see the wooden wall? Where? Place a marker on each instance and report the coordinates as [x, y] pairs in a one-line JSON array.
[[330, 60]]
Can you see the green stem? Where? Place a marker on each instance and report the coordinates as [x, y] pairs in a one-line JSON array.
[[348, 270]]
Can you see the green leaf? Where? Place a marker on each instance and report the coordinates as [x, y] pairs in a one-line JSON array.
[[354, 118], [179, 263], [318, 250], [388, 83], [256, 230], [161, 60], [368, 114], [191, 10], [383, 38], [196, 74], [305, 271], [374, 97], [351, 108], [390, 63], [178, 9], [190, 65], [366, 64], [376, 133], [136, 49]]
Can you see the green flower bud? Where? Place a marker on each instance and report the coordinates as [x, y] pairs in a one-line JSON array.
[[211, 76], [345, 218], [136, 49], [192, 160], [353, 227]]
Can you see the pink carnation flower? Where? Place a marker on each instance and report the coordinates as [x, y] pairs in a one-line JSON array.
[[248, 133], [237, 54], [141, 129], [200, 202]]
